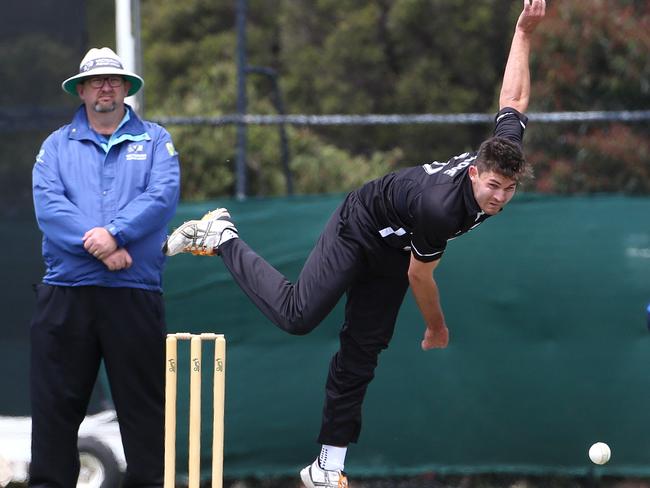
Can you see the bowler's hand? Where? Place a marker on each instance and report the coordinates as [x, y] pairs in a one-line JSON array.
[[120, 259], [99, 242], [532, 15], [435, 338]]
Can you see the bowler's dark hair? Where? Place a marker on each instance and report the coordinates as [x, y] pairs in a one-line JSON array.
[[504, 157]]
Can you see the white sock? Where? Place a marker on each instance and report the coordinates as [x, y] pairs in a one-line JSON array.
[[332, 458]]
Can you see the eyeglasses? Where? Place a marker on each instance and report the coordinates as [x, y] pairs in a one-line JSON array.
[[98, 81]]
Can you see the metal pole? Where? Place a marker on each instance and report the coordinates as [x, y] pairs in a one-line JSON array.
[[137, 39], [284, 140], [241, 100], [279, 106], [124, 40]]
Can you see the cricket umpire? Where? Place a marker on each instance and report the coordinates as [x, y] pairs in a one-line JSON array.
[[105, 186]]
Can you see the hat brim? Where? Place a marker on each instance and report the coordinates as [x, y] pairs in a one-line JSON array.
[[70, 85]]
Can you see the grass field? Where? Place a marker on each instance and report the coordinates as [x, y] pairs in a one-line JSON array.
[[477, 481], [433, 481]]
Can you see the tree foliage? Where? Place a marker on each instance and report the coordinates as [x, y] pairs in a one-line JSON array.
[[396, 56], [594, 56]]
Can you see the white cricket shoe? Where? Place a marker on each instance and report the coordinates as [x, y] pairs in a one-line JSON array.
[[216, 214], [202, 237], [313, 476]]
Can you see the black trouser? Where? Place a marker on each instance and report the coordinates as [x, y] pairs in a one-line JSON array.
[[73, 328], [348, 258]]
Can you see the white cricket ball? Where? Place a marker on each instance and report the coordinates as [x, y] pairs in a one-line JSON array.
[[599, 453]]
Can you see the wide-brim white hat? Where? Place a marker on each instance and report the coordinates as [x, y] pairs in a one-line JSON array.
[[98, 62]]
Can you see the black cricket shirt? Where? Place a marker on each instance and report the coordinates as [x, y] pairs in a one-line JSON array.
[[420, 208]]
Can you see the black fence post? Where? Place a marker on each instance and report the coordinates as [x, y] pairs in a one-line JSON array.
[[279, 107], [240, 182]]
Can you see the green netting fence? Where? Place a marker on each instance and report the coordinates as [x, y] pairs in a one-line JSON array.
[[549, 348]]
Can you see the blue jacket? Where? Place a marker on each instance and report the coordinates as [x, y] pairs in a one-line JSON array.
[[128, 184]]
